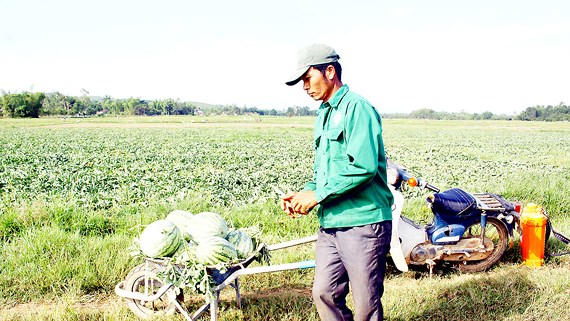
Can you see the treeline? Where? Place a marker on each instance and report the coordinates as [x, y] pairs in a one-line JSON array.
[[426, 113], [560, 112], [27, 104], [235, 110]]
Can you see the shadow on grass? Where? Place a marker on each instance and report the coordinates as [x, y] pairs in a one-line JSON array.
[[290, 303], [484, 296]]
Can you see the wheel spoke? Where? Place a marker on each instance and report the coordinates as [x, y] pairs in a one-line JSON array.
[[143, 279], [495, 231]]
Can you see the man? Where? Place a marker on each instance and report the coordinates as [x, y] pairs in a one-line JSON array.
[[349, 185]]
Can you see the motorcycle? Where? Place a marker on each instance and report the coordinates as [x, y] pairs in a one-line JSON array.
[[469, 231]]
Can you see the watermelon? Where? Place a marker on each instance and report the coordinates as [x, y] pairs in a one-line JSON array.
[[182, 220], [161, 238], [242, 242], [206, 224], [214, 250]]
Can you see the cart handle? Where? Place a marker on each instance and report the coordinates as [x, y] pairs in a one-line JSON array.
[[264, 269], [283, 245]]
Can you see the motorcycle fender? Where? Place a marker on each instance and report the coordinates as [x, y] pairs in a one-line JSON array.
[[396, 251]]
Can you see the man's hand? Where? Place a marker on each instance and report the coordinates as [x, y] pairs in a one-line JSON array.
[[302, 202], [286, 203]]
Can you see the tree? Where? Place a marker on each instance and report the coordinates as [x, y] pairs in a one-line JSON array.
[[487, 115], [530, 113], [110, 105], [135, 106], [424, 113], [302, 111], [183, 109], [22, 105], [56, 103]]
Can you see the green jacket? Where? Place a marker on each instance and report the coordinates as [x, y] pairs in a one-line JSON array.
[[350, 165]]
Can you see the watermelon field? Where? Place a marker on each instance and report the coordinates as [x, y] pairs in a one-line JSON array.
[[75, 192]]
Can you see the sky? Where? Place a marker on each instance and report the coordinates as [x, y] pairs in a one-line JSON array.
[[447, 55]]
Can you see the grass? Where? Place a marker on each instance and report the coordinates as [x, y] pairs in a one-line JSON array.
[[74, 193], [126, 121]]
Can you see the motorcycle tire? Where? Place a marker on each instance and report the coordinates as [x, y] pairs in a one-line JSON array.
[[498, 233]]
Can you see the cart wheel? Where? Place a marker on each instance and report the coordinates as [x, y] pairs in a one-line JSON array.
[[144, 280]]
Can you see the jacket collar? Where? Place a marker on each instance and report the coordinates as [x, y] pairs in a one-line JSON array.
[[335, 100]]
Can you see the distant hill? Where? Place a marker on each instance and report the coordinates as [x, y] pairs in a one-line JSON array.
[[204, 105]]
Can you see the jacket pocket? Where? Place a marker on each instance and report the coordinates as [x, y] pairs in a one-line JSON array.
[[317, 140], [337, 147]]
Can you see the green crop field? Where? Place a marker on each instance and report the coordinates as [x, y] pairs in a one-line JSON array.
[[75, 192]]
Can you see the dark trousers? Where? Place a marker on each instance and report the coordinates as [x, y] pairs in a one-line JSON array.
[[355, 256]]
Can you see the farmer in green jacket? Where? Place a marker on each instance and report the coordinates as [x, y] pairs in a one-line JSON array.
[[349, 185]]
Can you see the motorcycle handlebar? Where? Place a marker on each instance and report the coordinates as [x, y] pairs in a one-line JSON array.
[[410, 179], [432, 188]]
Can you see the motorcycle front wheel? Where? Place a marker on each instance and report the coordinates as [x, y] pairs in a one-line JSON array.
[[496, 231]]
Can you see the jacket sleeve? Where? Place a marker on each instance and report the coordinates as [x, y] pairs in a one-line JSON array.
[[363, 134], [312, 184]]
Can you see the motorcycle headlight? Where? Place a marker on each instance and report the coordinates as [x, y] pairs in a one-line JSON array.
[[392, 175]]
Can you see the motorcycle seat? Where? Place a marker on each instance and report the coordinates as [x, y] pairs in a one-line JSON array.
[[453, 202]]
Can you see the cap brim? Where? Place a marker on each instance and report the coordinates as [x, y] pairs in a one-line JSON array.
[[297, 76]]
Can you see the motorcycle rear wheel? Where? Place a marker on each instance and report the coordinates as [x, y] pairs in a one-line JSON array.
[[497, 232]]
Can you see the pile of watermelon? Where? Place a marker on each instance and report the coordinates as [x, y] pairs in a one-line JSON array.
[[202, 238]]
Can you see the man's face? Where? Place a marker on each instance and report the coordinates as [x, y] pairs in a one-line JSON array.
[[317, 85]]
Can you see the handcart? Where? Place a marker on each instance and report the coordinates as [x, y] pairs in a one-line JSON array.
[[147, 296]]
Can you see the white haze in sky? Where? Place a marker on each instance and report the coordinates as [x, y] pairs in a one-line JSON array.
[[448, 55]]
